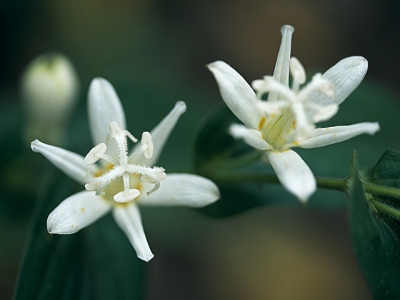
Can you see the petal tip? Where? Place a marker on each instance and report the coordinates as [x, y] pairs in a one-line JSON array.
[[216, 65], [34, 145], [147, 257], [181, 106]]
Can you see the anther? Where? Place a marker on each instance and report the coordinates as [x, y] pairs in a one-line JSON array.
[[126, 196], [147, 141], [93, 155]]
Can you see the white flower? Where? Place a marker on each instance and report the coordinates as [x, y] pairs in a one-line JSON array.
[[287, 119], [120, 180], [49, 89]]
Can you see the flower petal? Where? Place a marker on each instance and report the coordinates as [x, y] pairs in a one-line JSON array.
[[183, 189], [69, 162], [250, 136], [104, 107], [237, 94], [76, 212], [281, 71], [161, 133], [128, 219], [331, 135], [293, 173], [346, 75]]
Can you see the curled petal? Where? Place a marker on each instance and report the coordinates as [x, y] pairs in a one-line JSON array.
[[237, 94], [272, 86], [324, 113], [293, 173], [326, 136], [161, 133], [250, 136], [183, 189], [272, 108], [69, 162], [76, 212], [128, 219], [104, 107], [297, 71]]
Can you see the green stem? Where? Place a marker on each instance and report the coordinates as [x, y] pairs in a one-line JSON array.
[[335, 184], [382, 190], [386, 209], [324, 183], [233, 163]]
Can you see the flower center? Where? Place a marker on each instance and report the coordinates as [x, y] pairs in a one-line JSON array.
[[292, 112], [121, 177]]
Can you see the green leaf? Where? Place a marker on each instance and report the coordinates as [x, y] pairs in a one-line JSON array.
[[377, 246], [95, 263], [212, 141], [387, 171]]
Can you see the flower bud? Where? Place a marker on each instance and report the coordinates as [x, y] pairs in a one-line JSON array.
[[49, 90]]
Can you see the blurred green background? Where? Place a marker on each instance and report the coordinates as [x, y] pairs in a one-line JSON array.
[[154, 53]]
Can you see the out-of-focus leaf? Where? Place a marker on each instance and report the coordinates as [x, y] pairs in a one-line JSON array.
[[377, 246]]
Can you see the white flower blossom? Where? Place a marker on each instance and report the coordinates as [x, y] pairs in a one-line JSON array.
[[118, 180], [49, 90], [287, 118]]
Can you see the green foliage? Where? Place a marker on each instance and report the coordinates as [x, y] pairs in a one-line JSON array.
[[376, 234]]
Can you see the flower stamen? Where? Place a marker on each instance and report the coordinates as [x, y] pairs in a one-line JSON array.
[[123, 166]]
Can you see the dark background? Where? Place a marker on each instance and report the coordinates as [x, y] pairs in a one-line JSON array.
[[268, 253]]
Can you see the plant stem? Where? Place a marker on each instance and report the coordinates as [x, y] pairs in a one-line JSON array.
[[386, 209], [336, 184], [382, 190]]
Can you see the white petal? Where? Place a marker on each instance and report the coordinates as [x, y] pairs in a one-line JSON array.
[[237, 94], [293, 173], [297, 71], [76, 212], [281, 71], [326, 136], [250, 136], [104, 107], [128, 219], [161, 132], [272, 108], [183, 189], [346, 76], [69, 162], [324, 113]]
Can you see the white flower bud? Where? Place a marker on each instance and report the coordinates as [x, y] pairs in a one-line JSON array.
[[49, 88]]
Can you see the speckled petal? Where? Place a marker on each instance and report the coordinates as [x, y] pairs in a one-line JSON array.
[[76, 212]]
